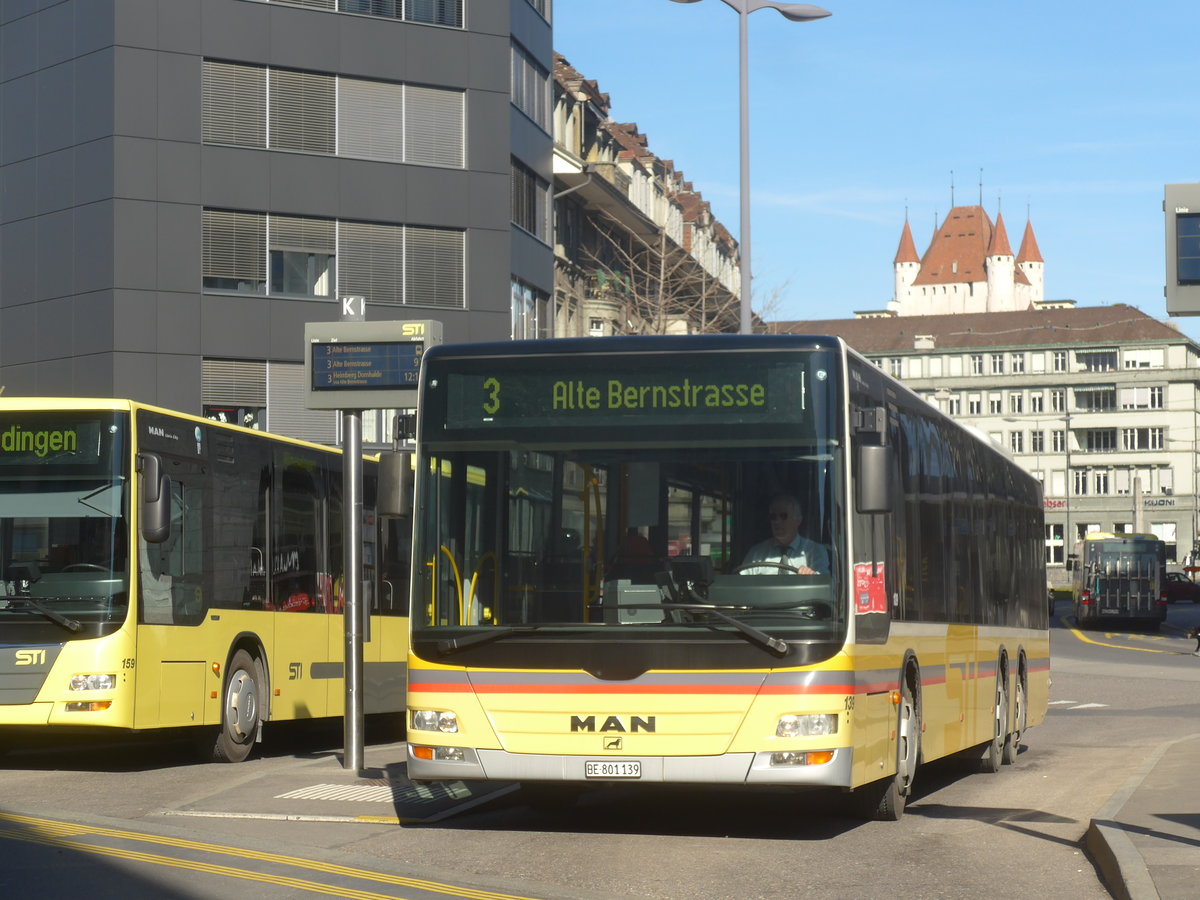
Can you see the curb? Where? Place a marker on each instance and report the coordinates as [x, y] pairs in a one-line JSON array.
[[1121, 866]]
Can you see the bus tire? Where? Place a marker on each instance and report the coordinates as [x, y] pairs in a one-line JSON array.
[[884, 800], [992, 753], [1012, 742], [240, 710]]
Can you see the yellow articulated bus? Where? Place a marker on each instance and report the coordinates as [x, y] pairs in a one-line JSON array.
[[159, 570], [1119, 577], [750, 560]]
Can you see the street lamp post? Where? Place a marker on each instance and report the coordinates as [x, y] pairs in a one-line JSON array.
[[795, 12]]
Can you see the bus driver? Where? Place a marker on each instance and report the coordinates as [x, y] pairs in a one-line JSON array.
[[786, 546]]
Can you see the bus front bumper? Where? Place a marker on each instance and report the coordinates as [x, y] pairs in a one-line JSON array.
[[729, 768]]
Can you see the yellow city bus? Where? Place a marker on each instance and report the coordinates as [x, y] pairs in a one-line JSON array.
[[160, 570], [589, 608], [1119, 577]]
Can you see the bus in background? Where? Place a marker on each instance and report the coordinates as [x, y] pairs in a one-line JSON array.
[[1119, 577], [160, 570], [590, 606]]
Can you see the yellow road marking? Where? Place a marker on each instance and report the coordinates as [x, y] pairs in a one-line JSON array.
[[1079, 634], [60, 834]]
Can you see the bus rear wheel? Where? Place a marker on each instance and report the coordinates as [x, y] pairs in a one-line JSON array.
[[240, 714], [992, 753], [1012, 742]]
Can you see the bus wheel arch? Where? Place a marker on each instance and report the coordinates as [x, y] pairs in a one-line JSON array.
[[884, 799], [243, 703]]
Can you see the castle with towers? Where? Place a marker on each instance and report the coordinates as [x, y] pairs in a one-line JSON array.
[[969, 267]]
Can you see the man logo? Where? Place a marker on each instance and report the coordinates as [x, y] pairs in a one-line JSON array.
[[614, 723]]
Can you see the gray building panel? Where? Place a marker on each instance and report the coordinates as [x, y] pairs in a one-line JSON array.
[[54, 267], [105, 178], [94, 104], [93, 331], [92, 249]]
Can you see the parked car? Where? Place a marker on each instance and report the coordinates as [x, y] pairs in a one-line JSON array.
[[1180, 587]]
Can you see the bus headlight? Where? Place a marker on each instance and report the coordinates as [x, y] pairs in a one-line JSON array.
[[93, 682], [806, 725], [434, 720]]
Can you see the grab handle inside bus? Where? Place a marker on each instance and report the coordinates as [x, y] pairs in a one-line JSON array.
[[874, 478], [156, 499]]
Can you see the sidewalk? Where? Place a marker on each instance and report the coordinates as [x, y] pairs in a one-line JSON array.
[[1146, 839]]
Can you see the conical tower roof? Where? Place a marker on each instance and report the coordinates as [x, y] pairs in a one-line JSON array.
[[999, 245], [907, 251], [1029, 251]]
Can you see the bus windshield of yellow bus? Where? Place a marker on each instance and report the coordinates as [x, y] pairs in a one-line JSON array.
[[63, 524], [680, 497]]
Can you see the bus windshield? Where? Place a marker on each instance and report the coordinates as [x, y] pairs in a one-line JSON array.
[[63, 524], [631, 523]]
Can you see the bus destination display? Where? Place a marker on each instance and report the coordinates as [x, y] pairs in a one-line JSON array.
[[639, 392], [365, 365]]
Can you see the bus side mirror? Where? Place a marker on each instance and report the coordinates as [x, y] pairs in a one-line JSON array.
[[156, 499], [394, 497], [874, 479]]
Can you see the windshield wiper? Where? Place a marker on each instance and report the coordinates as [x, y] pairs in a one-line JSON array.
[[58, 618], [452, 645], [774, 644]]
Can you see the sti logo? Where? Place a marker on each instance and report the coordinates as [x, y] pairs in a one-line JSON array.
[[30, 657], [614, 723]]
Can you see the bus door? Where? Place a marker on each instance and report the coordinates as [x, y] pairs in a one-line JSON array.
[[173, 597]]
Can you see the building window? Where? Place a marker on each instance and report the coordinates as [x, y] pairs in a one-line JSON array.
[[595, 327], [332, 115], [997, 363], [976, 363], [974, 405], [954, 405], [995, 405], [895, 367], [1097, 399], [530, 312], [1142, 398], [530, 87], [1165, 532], [1100, 440], [1016, 403], [1054, 544], [1079, 482], [1016, 442], [1037, 442], [1058, 400], [1060, 360], [1058, 441], [396, 264], [543, 8], [434, 12], [530, 201], [428, 12], [1100, 483], [1097, 360], [1037, 402], [1017, 362]]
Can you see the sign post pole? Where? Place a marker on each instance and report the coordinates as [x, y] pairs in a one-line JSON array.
[[352, 365]]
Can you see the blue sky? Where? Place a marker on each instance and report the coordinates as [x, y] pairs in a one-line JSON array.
[[1078, 112]]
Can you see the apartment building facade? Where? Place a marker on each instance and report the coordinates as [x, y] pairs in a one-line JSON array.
[[1100, 404], [183, 185], [637, 248]]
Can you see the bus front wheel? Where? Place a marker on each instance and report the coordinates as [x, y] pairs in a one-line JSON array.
[[240, 715], [884, 800]]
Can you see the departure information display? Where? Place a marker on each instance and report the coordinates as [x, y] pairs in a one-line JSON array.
[[366, 365]]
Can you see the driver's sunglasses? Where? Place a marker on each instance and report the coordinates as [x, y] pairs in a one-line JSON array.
[[776, 516]]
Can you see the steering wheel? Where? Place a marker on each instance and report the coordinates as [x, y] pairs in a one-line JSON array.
[[783, 567], [84, 567]]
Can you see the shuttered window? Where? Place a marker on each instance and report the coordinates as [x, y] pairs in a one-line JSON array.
[[233, 382], [302, 111], [302, 256], [286, 413], [433, 267], [530, 201], [530, 87], [372, 261], [434, 126], [371, 119], [234, 255], [234, 104], [434, 12]]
